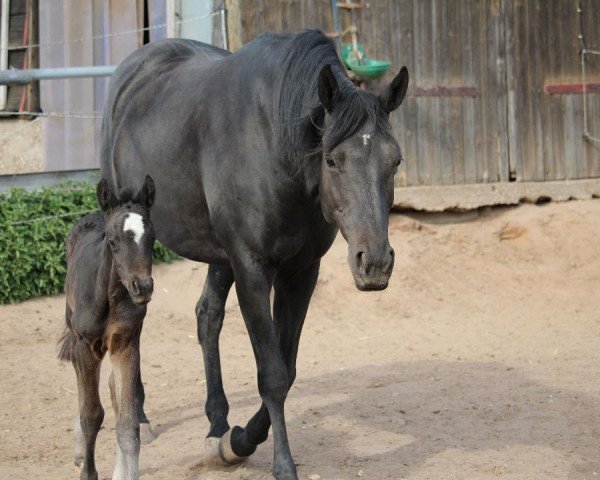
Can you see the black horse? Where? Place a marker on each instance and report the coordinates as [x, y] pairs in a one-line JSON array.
[[258, 157]]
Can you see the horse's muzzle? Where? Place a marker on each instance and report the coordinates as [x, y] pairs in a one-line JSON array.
[[372, 271], [141, 289]]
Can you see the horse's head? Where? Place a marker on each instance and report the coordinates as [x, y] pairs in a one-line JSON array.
[[130, 237], [360, 158]]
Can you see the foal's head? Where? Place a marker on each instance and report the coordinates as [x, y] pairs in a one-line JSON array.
[[130, 237], [360, 158]]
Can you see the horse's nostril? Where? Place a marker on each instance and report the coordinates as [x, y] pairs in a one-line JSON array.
[[135, 287], [360, 259], [392, 253]]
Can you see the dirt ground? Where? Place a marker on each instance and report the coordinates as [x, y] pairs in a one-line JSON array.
[[480, 361]]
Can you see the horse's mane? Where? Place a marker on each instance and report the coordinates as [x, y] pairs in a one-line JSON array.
[[298, 111]]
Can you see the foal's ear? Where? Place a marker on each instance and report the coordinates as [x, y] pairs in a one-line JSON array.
[[106, 198], [145, 196], [392, 96], [328, 88]]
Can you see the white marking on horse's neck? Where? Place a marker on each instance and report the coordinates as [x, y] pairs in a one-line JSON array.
[[366, 138], [134, 223]]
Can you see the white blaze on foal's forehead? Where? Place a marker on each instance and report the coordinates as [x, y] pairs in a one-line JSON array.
[[134, 223], [366, 137]]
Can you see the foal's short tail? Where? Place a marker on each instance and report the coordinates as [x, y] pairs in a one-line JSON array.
[[65, 345]]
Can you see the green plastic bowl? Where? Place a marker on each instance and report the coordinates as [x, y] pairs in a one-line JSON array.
[[348, 52], [370, 68]]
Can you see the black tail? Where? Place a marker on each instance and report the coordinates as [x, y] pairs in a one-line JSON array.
[[65, 345]]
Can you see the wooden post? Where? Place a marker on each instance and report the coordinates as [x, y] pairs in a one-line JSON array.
[[234, 25], [173, 14], [33, 54]]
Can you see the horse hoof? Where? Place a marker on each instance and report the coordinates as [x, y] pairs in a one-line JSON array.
[[285, 471], [211, 456], [147, 436], [226, 452], [78, 460]]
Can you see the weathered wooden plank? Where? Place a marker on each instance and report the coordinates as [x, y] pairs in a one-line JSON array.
[[454, 76], [444, 127], [556, 107], [404, 119], [33, 56], [423, 68], [497, 97], [468, 104], [591, 20], [520, 109], [542, 41]]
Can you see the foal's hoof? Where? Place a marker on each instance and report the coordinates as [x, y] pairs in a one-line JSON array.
[[226, 452], [78, 460], [147, 436]]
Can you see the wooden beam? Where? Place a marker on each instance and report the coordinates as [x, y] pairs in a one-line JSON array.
[[571, 88], [350, 5], [441, 91], [234, 25], [33, 89]]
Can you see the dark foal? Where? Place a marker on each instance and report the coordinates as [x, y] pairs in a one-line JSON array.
[[109, 283]]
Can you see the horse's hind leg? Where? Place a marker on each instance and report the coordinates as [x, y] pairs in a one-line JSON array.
[[210, 312], [125, 357], [91, 413], [292, 297]]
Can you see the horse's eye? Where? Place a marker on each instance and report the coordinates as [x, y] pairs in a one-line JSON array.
[[330, 162], [397, 164], [111, 242]]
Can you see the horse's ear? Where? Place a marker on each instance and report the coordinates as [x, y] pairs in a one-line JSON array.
[[145, 196], [328, 88], [392, 96], [106, 199]]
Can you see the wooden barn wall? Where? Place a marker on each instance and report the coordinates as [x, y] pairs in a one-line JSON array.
[[476, 110], [544, 49]]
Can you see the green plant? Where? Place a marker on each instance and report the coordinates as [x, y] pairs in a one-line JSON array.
[[33, 228]]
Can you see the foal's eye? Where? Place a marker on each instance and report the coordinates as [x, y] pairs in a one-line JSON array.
[[329, 161], [397, 163], [111, 242]]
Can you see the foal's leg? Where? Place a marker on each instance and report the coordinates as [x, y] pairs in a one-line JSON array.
[[292, 297], [91, 413], [253, 284], [125, 357], [210, 311]]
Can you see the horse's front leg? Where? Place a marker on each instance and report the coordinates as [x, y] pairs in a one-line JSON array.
[[292, 297], [253, 284], [124, 352], [210, 311]]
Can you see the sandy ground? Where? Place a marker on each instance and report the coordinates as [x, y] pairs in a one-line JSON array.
[[480, 361]]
